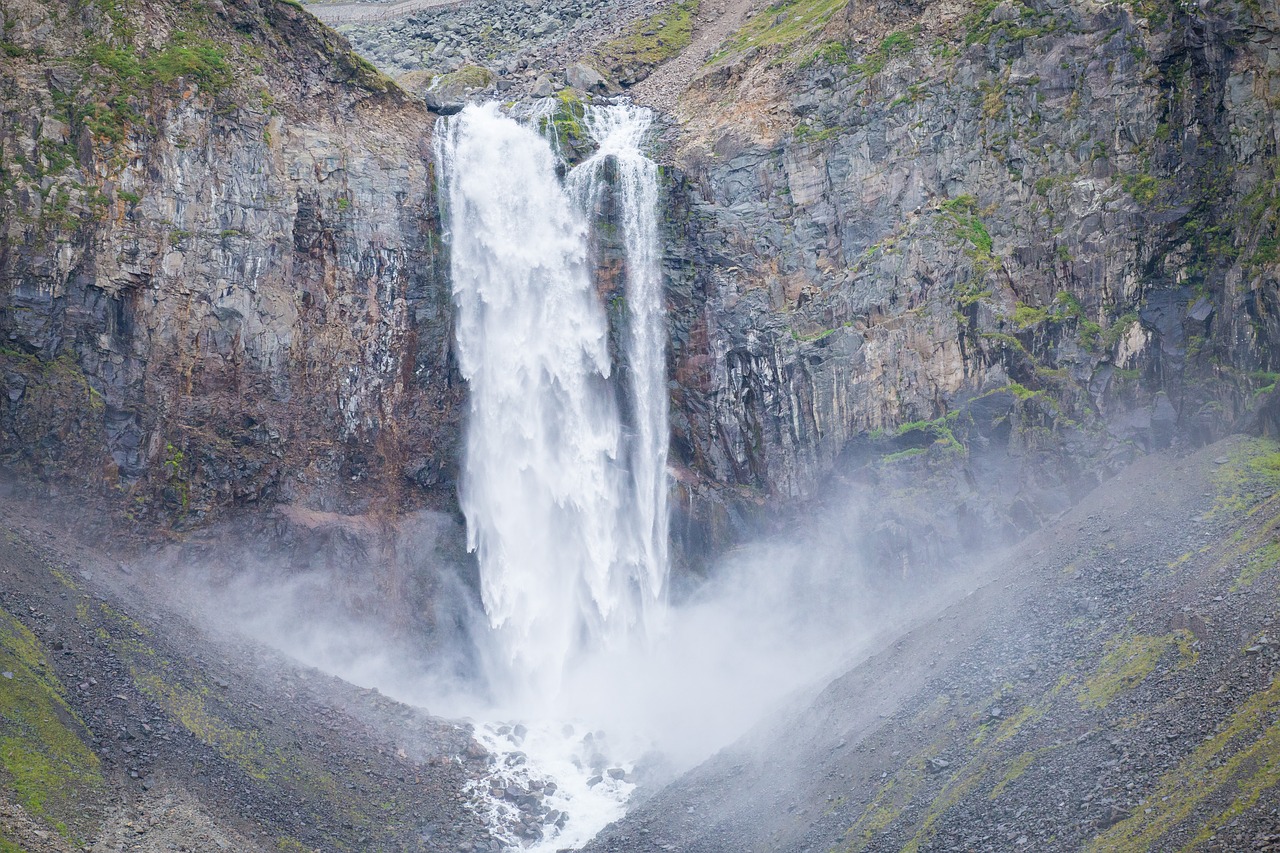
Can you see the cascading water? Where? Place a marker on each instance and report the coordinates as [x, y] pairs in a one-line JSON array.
[[565, 504], [565, 499], [619, 132]]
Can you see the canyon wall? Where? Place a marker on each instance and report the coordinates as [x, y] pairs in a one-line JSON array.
[[964, 259], [219, 271], [976, 256]]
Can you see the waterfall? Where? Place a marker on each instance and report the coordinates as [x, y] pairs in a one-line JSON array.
[[565, 503]]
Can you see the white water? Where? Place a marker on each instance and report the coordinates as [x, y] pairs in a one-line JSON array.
[[620, 132], [565, 506]]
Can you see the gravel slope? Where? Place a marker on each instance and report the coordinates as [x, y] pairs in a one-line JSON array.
[[124, 727], [1112, 686]]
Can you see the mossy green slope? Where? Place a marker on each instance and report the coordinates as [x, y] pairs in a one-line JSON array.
[[45, 761]]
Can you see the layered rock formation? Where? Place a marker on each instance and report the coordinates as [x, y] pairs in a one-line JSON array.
[[219, 272], [915, 242], [930, 234]]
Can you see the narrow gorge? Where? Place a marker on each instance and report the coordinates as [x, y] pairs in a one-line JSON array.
[[631, 425]]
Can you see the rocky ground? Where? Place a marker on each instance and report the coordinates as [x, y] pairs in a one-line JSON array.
[[513, 38], [1111, 685], [126, 727]]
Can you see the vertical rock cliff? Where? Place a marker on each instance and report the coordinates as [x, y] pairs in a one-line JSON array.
[[218, 268], [911, 236]]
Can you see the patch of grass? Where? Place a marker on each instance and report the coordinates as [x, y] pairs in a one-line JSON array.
[[944, 439], [1020, 391], [650, 41], [815, 336], [48, 766], [1251, 474], [7, 846], [894, 44], [1030, 23], [963, 213], [1240, 762], [201, 61], [783, 28], [1142, 188], [805, 133], [1026, 316], [1129, 660], [901, 455]]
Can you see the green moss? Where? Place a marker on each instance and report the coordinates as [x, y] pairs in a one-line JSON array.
[[1259, 561], [199, 60], [364, 73], [819, 335], [467, 77], [1020, 391], [1238, 764], [894, 44], [1251, 474], [1129, 660], [1025, 316], [1030, 23], [566, 125], [286, 844], [123, 73], [940, 428], [650, 41], [47, 764], [962, 212], [1020, 765], [784, 28], [188, 706], [806, 133], [1143, 188], [193, 704], [7, 846], [890, 800]]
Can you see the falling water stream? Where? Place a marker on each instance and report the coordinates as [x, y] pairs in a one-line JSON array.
[[564, 496]]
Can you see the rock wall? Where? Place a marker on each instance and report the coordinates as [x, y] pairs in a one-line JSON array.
[[220, 279], [976, 256]]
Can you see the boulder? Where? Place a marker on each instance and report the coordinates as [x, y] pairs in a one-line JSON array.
[[585, 79]]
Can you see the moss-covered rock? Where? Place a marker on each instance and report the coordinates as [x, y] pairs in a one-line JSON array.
[[43, 755]]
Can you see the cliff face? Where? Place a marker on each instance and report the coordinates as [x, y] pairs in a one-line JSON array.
[[977, 255], [1042, 235], [218, 273]]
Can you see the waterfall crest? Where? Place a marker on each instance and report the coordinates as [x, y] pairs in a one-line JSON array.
[[565, 503]]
